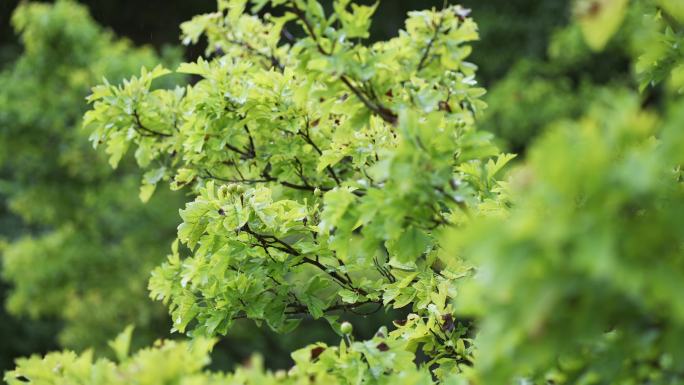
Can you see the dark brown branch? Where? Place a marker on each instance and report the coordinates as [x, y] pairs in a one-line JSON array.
[[274, 242], [269, 179], [385, 113], [271, 241], [343, 281], [299, 169], [142, 127], [307, 25], [431, 43], [307, 138], [301, 309], [242, 180], [385, 272], [303, 188], [252, 148], [243, 154], [274, 60], [377, 308]]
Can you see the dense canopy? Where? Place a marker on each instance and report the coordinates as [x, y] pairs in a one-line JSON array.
[[535, 240]]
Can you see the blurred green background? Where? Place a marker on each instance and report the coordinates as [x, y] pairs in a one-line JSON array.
[[64, 260], [510, 28]]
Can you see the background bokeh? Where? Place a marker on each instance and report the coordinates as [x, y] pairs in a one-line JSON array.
[[510, 28]]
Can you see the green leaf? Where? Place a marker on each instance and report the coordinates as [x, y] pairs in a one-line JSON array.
[[146, 191], [599, 20], [411, 244], [673, 7], [122, 343]]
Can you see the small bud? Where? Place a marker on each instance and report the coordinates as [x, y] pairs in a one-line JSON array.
[[346, 328], [222, 192], [317, 192]]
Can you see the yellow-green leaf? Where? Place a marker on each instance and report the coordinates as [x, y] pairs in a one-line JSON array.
[[599, 20]]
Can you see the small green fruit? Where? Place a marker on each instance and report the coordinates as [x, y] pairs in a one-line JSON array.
[[346, 328]]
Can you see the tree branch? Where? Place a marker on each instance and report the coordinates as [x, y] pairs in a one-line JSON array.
[[376, 107], [274, 60], [428, 48], [142, 127]]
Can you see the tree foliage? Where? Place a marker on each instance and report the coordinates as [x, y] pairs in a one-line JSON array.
[[324, 170], [331, 175], [577, 282], [78, 239]]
